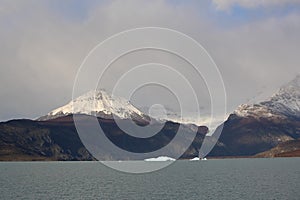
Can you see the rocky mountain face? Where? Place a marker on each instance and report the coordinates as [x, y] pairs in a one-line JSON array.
[[256, 128], [57, 139], [34, 140]]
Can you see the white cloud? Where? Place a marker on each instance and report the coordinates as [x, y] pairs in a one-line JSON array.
[[227, 4]]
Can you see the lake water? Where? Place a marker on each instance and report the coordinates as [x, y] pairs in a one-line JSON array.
[[212, 179]]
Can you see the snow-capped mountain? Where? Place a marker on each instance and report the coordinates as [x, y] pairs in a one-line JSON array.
[[273, 123], [98, 102], [284, 103], [104, 105], [287, 100]]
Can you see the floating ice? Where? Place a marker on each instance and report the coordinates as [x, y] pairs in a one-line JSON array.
[[160, 158]]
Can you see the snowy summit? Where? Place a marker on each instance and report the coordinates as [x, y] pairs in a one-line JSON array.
[[284, 103], [99, 103]]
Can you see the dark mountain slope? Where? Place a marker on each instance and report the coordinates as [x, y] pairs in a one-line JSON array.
[[57, 139]]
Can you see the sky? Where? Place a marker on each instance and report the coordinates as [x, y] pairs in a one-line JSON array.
[[254, 43]]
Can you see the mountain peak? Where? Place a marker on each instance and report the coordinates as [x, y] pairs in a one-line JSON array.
[[100, 103], [292, 87], [284, 103]]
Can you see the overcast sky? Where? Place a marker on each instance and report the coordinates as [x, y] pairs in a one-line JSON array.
[[255, 44]]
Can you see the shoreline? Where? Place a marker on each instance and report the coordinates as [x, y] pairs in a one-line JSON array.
[[208, 158]]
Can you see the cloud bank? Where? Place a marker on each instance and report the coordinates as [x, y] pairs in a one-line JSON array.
[[43, 43]]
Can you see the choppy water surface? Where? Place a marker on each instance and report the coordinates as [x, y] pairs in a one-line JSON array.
[[212, 179]]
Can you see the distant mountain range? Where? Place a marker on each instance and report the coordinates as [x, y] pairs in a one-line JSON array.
[[267, 129]]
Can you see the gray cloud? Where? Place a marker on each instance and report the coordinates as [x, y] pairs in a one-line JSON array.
[[41, 49], [228, 4]]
